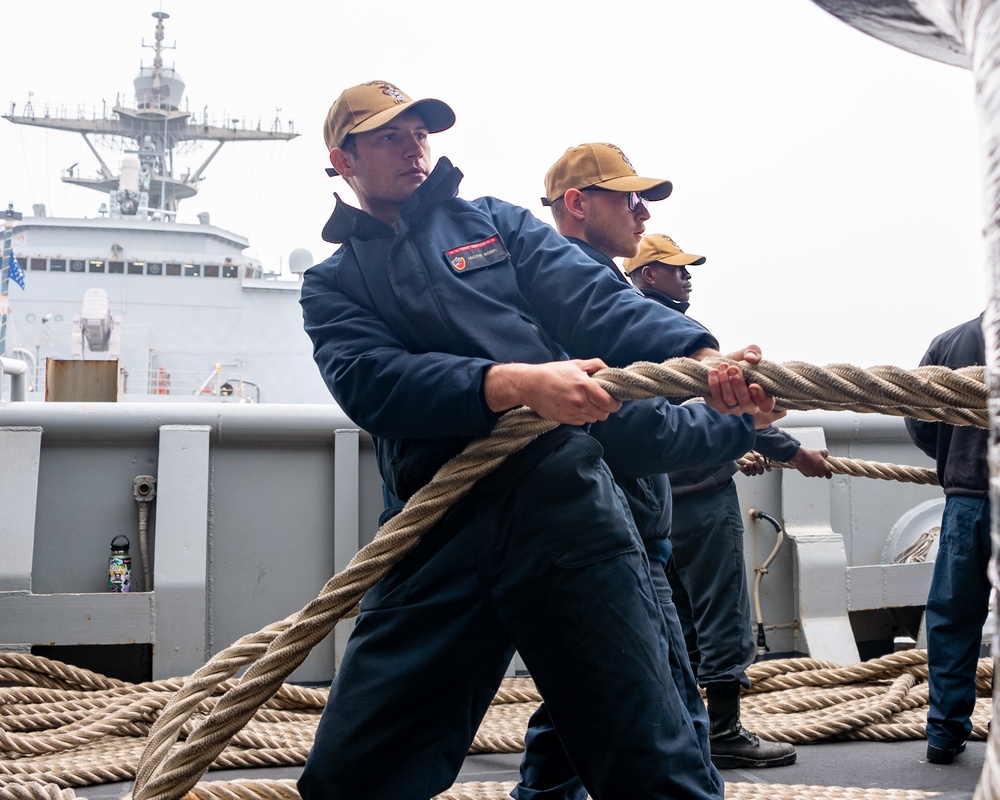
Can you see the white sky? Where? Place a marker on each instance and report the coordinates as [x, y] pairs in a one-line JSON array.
[[833, 181]]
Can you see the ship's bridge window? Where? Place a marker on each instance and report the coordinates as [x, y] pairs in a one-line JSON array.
[[192, 270], [230, 271], [173, 269], [36, 264], [76, 266], [154, 269], [96, 266], [116, 267], [57, 265], [135, 267], [211, 270]]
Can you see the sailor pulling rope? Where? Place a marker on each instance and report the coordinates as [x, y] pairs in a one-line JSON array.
[[166, 771], [279, 649]]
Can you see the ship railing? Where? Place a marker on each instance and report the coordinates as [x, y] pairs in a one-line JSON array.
[[223, 380], [18, 372], [106, 113], [154, 384]]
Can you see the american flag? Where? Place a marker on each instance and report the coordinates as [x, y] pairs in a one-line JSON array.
[[16, 273]]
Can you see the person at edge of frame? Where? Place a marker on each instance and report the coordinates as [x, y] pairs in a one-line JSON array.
[[959, 596]]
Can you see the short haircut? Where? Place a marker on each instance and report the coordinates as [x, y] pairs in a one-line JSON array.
[[558, 209]]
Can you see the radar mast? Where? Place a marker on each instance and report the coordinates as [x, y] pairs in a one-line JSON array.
[[148, 135]]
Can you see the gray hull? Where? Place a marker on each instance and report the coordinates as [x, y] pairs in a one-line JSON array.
[[257, 506]]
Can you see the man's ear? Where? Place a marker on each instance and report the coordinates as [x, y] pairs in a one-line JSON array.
[[342, 161], [648, 274], [575, 203]]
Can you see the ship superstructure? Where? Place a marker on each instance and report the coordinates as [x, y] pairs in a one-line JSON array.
[[152, 131], [192, 313]]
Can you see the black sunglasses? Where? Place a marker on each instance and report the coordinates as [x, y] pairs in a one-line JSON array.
[[634, 199]]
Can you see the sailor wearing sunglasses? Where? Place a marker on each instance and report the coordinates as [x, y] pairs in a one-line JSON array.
[[597, 197]]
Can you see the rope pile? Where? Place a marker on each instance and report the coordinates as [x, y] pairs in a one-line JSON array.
[[204, 723], [68, 727]]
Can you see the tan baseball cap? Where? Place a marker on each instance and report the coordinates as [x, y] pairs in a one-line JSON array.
[[660, 247], [602, 166], [371, 105]]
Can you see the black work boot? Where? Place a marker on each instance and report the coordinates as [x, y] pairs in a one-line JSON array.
[[733, 746]]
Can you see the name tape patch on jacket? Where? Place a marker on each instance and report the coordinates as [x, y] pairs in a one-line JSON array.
[[476, 255]]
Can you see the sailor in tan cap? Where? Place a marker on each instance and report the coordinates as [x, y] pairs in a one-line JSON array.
[[659, 270], [597, 197], [706, 571], [377, 138], [599, 203]]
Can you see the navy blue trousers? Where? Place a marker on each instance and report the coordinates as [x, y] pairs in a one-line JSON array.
[[544, 560], [708, 575], [957, 606], [546, 772]]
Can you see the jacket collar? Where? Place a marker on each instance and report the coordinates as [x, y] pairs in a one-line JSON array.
[[669, 302], [599, 256], [346, 221]]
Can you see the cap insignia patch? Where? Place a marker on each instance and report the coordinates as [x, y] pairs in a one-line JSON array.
[[624, 157], [390, 91]]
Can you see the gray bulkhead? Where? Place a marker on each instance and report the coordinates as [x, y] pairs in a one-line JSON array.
[[257, 506]]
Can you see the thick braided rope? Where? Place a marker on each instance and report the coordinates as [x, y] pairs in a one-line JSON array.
[[844, 719], [84, 738], [879, 700], [766, 676], [38, 671], [929, 393], [37, 791], [500, 790], [856, 468], [284, 644], [295, 636], [165, 775]]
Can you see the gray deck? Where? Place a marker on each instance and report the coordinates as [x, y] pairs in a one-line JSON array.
[[868, 765]]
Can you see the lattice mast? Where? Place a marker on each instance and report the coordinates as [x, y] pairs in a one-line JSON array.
[[145, 185]]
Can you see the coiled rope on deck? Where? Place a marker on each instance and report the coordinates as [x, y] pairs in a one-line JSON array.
[[167, 772], [794, 700]]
